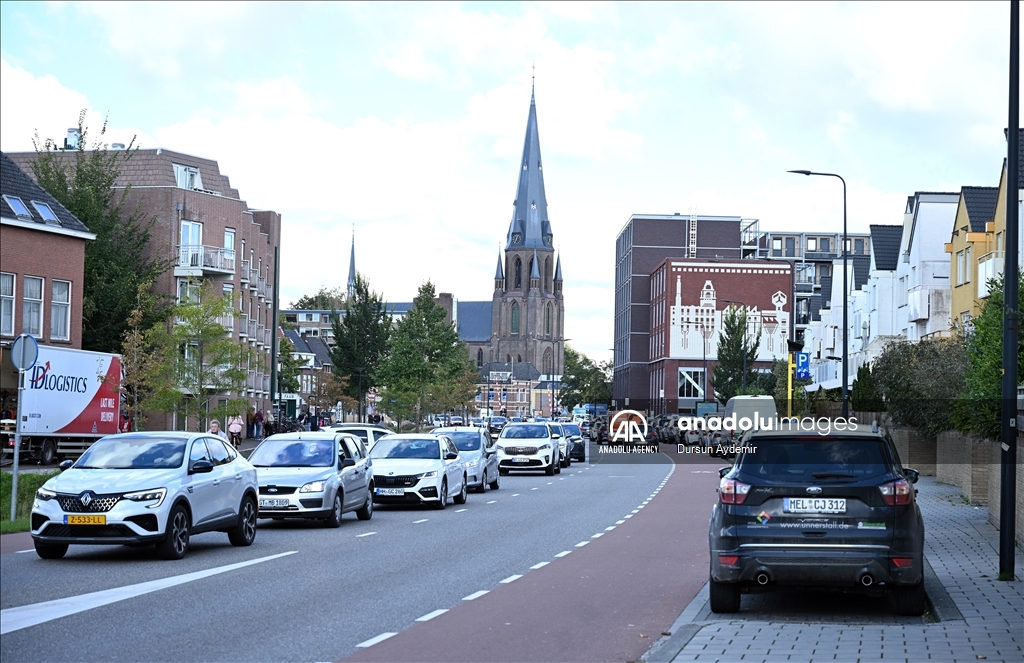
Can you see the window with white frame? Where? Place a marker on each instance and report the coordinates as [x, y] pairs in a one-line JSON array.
[[967, 265], [18, 206], [60, 310], [812, 243], [32, 313], [6, 304], [959, 267], [188, 291], [691, 383], [187, 177]]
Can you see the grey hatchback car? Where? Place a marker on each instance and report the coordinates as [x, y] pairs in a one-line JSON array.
[[805, 509], [476, 448]]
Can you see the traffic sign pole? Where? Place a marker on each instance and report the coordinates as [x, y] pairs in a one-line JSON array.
[[24, 353]]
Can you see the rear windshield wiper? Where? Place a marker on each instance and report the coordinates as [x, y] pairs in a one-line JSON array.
[[833, 475]]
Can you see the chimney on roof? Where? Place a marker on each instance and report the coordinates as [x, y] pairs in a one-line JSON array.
[[71, 142]]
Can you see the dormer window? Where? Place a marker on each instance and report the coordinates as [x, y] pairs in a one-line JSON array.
[[19, 208], [45, 211], [187, 177]]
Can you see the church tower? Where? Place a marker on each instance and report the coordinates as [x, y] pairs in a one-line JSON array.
[[527, 309]]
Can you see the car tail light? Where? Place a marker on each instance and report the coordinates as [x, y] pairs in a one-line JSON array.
[[728, 560], [731, 491], [897, 493], [903, 562]]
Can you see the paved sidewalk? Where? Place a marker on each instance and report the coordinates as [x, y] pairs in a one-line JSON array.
[[973, 615]]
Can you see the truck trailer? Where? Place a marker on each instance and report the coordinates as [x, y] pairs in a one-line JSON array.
[[71, 398]]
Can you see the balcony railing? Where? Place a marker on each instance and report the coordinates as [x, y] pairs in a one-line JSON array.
[[990, 266], [254, 276], [243, 273], [228, 322], [261, 335], [243, 326], [267, 336], [205, 257], [261, 288], [252, 329]]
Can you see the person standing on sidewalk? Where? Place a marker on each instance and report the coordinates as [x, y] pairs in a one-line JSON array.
[[259, 424], [215, 430], [269, 424], [250, 422]]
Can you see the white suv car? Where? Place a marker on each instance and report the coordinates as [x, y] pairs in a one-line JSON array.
[[147, 488], [529, 446]]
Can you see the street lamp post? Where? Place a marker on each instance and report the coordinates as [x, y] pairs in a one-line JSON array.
[[846, 294]]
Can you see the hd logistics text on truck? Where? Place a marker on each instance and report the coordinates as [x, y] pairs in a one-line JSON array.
[[71, 399]]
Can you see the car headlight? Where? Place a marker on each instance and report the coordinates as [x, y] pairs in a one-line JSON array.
[[473, 463], [544, 446], [313, 487], [45, 494], [156, 494], [427, 475]]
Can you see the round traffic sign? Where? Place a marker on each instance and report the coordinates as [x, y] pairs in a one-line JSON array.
[[25, 352]]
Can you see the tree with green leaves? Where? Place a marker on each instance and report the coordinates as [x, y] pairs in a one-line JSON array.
[[138, 360], [325, 299], [979, 410], [120, 257], [729, 375], [424, 356], [583, 381], [290, 367], [865, 396], [361, 335], [197, 358]]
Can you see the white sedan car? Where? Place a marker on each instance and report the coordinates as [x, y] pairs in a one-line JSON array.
[[418, 469]]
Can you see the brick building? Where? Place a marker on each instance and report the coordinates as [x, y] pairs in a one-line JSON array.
[[42, 265], [208, 232]]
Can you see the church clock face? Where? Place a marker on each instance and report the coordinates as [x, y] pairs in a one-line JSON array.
[[517, 238]]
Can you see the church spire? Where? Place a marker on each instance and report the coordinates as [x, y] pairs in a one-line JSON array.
[[558, 268], [352, 267], [530, 228]]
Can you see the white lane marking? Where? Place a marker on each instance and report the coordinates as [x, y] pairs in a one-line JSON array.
[[476, 595], [372, 641], [598, 535], [582, 543], [24, 551], [539, 565], [634, 510], [563, 553], [619, 522], [15, 619], [609, 528], [534, 488], [492, 502], [515, 494], [550, 482], [421, 520], [628, 516], [459, 510], [359, 536], [430, 615], [509, 579], [562, 479]]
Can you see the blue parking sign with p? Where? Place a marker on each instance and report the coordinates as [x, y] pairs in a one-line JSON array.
[[803, 365]]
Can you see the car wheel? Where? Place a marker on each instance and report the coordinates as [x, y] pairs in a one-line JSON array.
[[483, 483], [909, 600], [245, 533], [461, 497], [497, 481], [366, 512], [334, 520], [725, 597], [175, 544], [443, 502], [49, 453], [550, 469], [51, 550], [558, 467]]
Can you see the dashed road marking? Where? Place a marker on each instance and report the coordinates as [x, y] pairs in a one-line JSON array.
[[459, 510], [609, 528], [372, 641], [598, 535], [582, 543], [619, 522], [550, 482], [563, 553], [492, 501], [515, 494], [359, 536], [534, 488], [421, 520], [634, 510], [476, 595], [430, 615], [510, 579], [539, 565]]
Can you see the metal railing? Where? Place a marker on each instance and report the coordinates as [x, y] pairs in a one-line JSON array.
[[206, 257], [243, 325], [243, 273], [252, 329], [261, 335], [254, 276]]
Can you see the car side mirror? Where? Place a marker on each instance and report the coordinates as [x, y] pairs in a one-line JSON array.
[[912, 474], [347, 462], [555, 436], [722, 471], [65, 464], [451, 455], [201, 466]]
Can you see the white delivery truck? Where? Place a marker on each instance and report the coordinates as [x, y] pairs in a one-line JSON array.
[[71, 398]]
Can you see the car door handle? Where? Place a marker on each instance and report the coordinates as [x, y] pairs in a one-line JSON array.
[[216, 482], [238, 477]]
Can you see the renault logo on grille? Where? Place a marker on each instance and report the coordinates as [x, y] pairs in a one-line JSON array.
[[814, 490], [85, 498]]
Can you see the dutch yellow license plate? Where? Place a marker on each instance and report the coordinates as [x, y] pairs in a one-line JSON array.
[[85, 520]]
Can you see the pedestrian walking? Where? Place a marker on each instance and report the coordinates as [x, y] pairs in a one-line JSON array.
[[259, 424], [215, 430], [235, 425], [269, 424], [250, 422]]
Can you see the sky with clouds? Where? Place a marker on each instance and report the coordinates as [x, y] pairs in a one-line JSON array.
[[407, 120]]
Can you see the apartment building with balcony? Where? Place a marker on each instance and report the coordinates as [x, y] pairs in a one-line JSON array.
[[922, 273], [207, 232]]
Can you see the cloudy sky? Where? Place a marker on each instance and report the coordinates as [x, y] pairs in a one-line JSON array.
[[407, 120]]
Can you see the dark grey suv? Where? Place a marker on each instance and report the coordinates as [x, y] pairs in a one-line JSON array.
[[804, 509]]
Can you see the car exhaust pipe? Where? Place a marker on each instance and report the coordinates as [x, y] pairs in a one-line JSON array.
[[867, 580], [762, 579]]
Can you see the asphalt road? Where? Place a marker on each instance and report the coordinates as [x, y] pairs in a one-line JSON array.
[[330, 591]]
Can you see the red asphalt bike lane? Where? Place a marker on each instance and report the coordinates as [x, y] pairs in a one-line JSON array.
[[607, 601], [15, 542]]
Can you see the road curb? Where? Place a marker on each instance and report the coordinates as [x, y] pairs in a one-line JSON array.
[[682, 630], [942, 604]]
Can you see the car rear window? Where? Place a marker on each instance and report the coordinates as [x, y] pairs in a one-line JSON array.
[[524, 432], [814, 458]]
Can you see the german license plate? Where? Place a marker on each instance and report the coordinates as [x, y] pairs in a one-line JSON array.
[[520, 460], [85, 520], [391, 492], [813, 505], [274, 504]]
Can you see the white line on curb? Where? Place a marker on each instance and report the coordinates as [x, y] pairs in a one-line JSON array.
[[430, 615], [476, 595], [372, 641], [539, 565], [510, 579]]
